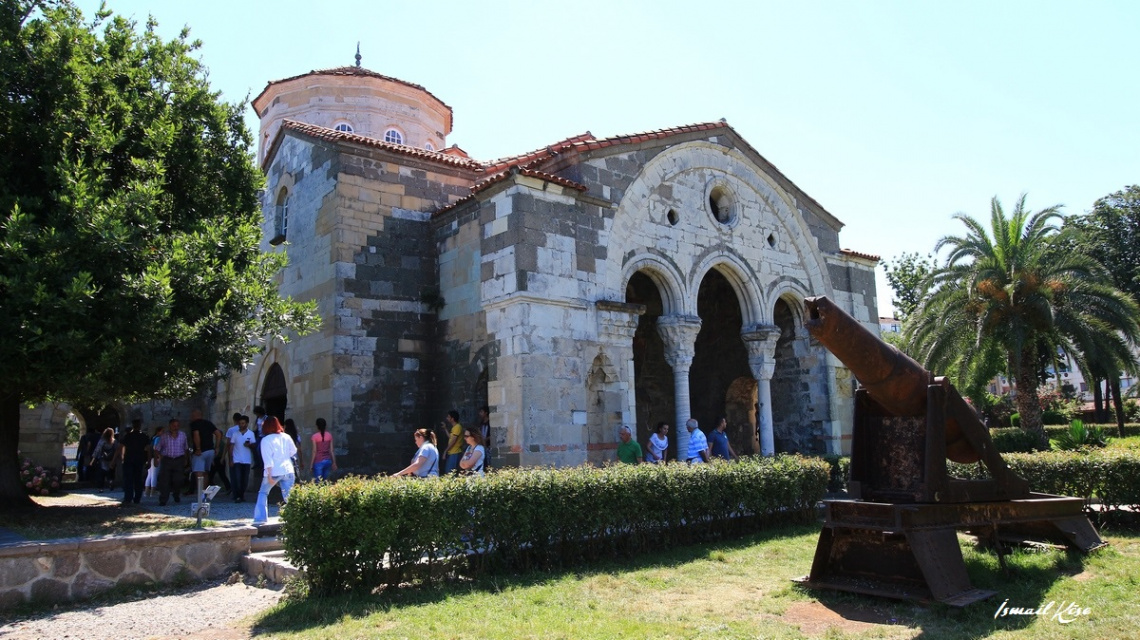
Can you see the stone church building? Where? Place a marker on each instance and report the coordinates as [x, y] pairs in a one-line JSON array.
[[584, 285]]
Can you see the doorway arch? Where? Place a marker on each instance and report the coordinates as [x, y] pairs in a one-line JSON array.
[[275, 392]]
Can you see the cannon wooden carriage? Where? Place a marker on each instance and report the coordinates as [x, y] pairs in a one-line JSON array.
[[897, 536]]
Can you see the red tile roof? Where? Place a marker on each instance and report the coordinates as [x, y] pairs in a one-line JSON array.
[[503, 175], [856, 254], [332, 135]]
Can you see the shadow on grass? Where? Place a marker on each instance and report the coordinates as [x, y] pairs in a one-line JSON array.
[[299, 614], [1024, 582]]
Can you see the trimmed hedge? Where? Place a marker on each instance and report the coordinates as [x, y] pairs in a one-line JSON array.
[[362, 533], [1112, 477], [1014, 440]]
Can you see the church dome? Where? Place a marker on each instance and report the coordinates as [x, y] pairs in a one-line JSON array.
[[355, 100]]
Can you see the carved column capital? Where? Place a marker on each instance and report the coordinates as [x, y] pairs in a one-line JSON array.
[[760, 340], [617, 321], [679, 333]]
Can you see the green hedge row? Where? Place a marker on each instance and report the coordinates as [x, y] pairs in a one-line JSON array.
[[362, 533], [1110, 476]]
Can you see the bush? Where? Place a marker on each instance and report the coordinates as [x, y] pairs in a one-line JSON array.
[[1015, 420], [1014, 440], [1054, 417], [1078, 437], [1112, 477], [840, 472], [362, 533]]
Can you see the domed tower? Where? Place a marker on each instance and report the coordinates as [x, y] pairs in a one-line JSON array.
[[355, 100]]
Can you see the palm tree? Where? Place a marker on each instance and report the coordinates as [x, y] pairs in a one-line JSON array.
[[1013, 287]]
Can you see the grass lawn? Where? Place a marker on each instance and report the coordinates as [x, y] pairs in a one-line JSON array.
[[737, 589], [77, 515]]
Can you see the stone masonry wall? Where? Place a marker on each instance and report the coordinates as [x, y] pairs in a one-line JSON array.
[[390, 294], [77, 569]]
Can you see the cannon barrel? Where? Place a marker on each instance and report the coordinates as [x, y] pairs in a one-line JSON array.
[[893, 379]]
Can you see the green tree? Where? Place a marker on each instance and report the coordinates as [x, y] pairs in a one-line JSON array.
[[129, 221], [908, 275], [1013, 287], [1110, 233]]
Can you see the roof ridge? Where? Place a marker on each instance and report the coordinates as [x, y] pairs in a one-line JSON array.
[[332, 135]]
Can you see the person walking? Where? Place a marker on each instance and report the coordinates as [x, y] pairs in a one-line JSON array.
[[472, 461], [425, 463], [698, 443], [102, 464], [454, 441], [133, 453], [629, 451], [172, 453], [152, 465], [205, 439], [242, 443], [322, 460], [718, 441], [658, 444], [277, 451]]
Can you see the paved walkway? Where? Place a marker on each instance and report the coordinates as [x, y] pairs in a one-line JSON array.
[[223, 509]]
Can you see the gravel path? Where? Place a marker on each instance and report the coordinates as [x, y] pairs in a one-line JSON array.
[[164, 614], [169, 614]]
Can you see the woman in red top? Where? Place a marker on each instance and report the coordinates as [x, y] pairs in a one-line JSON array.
[[323, 457]]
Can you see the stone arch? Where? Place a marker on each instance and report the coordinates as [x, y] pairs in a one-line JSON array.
[[792, 293], [641, 208], [739, 275], [665, 275]]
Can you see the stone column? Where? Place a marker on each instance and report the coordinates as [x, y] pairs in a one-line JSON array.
[[679, 333], [761, 343]]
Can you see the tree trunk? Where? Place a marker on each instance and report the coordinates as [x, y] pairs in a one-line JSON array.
[[1117, 404], [1098, 403], [12, 494], [1027, 405]]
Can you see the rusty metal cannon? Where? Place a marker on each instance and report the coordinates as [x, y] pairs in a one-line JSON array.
[[897, 536]]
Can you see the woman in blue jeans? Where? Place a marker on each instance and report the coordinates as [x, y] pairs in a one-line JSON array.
[[277, 451]]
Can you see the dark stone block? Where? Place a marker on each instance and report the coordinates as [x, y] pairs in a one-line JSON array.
[[521, 280]]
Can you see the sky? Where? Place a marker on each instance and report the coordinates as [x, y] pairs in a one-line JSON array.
[[893, 115]]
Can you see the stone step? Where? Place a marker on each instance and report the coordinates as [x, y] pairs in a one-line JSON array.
[[271, 564], [259, 544]]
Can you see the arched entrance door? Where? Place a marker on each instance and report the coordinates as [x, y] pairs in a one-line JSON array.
[[275, 393], [720, 360], [653, 377]]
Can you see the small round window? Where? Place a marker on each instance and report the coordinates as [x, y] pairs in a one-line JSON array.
[[721, 205]]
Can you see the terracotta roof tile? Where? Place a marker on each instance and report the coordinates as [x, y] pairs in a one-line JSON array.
[[538, 154], [857, 254], [503, 175], [331, 135]]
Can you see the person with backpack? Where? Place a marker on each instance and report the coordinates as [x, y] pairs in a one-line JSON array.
[[102, 462], [425, 463]]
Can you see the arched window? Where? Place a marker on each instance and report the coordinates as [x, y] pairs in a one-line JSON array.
[[429, 147], [281, 223], [393, 136], [343, 126]]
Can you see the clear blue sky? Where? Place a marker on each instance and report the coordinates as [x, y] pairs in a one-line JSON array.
[[893, 115]]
